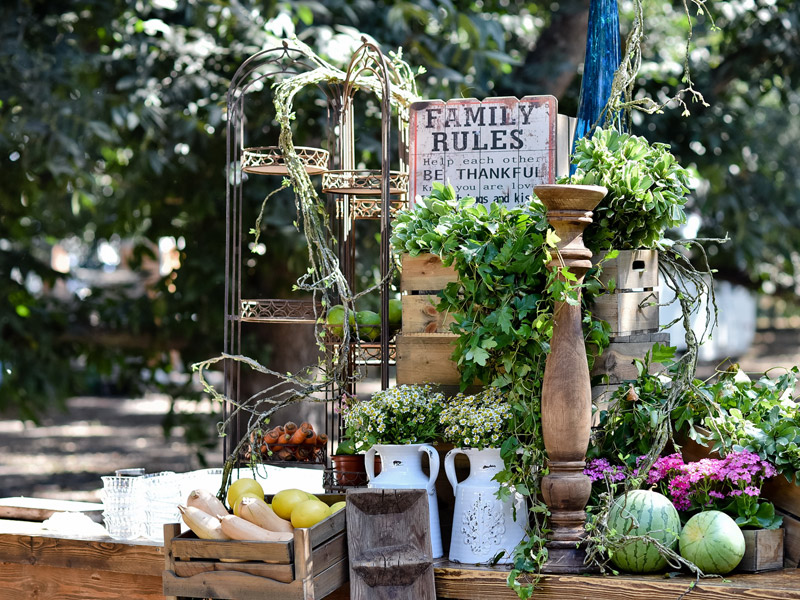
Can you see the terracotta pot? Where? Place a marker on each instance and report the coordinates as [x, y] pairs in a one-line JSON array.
[[349, 471]]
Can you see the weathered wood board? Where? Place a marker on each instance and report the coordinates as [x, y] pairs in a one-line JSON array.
[[617, 361], [391, 556], [425, 358], [763, 550], [420, 315], [495, 150], [424, 273], [476, 583], [40, 509]]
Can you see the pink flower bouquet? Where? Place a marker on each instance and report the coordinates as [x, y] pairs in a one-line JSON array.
[[731, 485]]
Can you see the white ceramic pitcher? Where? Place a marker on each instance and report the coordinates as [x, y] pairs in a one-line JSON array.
[[483, 525], [401, 468]]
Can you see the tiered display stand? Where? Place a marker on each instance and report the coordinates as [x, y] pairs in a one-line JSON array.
[[351, 194]]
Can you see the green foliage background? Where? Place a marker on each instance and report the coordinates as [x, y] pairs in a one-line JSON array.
[[112, 127]]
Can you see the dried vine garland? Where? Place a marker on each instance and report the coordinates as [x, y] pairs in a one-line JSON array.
[[324, 279], [621, 99]]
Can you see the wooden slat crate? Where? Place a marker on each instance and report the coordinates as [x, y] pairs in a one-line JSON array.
[[616, 361], [632, 308], [425, 358], [310, 566], [425, 344]]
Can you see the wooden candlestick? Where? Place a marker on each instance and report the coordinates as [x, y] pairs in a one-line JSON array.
[[566, 389]]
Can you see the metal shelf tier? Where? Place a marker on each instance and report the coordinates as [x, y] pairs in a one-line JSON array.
[[279, 311]]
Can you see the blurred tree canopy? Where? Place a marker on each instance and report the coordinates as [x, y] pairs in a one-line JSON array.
[[112, 134]]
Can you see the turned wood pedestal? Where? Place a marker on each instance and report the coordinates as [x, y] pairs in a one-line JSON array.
[[566, 388]]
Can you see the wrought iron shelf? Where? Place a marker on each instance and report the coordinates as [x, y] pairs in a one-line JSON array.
[[269, 160], [362, 182], [368, 353], [355, 207], [278, 311]]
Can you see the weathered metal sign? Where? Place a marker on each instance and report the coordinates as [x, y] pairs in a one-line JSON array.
[[495, 150]]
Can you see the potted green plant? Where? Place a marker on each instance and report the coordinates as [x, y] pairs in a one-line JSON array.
[[348, 465]]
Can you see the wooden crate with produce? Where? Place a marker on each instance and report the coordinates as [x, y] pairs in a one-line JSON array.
[[257, 553]]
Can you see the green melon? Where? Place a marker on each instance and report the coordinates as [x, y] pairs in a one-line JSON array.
[[369, 325], [713, 542], [335, 320], [643, 512]]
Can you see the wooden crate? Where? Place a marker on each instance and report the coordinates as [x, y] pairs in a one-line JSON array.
[[425, 358], [425, 344], [763, 550], [425, 273], [616, 362], [310, 566], [632, 308]]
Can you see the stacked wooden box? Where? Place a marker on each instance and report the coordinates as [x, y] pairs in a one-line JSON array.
[[310, 566], [631, 310], [425, 344]]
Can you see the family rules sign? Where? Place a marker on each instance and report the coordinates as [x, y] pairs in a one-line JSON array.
[[495, 150]]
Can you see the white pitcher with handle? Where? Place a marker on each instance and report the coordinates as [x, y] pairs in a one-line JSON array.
[[401, 468], [483, 525]]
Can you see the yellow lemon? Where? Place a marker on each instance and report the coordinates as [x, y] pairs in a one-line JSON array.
[[284, 502], [309, 512], [243, 486]]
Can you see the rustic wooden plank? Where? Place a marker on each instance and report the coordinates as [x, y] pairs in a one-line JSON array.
[[631, 270], [477, 584], [791, 540], [188, 546], [97, 554], [230, 585], [424, 272], [390, 556], [187, 568], [329, 553], [425, 358], [616, 361], [328, 528], [763, 550], [22, 581], [628, 313], [39, 509], [421, 316], [783, 494], [333, 581]]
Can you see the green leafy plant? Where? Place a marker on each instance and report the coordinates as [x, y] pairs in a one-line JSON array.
[[646, 185], [759, 416]]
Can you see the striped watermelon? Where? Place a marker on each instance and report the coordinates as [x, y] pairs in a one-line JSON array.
[[643, 512], [713, 542]]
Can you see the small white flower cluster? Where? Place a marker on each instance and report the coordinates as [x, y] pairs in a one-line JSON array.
[[405, 414], [477, 421]]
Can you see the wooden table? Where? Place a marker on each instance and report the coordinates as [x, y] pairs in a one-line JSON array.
[[35, 563]]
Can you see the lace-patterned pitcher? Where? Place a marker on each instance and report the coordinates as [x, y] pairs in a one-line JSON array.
[[483, 525], [402, 469]]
